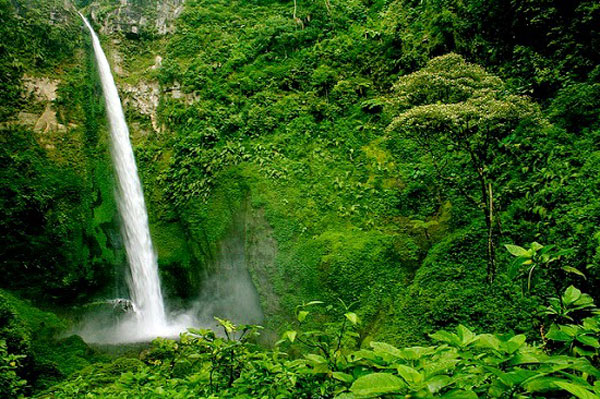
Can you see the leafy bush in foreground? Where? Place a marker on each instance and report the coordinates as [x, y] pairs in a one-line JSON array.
[[460, 364], [11, 384]]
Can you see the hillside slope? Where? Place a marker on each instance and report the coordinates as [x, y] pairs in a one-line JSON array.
[[290, 112]]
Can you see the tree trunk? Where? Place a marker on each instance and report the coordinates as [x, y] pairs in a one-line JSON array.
[[487, 201], [491, 245]]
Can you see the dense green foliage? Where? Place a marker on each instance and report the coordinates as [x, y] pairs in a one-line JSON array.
[[56, 208], [404, 156], [461, 364], [538, 46], [34, 36], [311, 117], [33, 353]]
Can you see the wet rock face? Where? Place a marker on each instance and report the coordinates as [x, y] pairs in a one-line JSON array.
[[137, 17]]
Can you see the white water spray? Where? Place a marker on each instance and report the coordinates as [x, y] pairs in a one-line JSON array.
[[144, 284]]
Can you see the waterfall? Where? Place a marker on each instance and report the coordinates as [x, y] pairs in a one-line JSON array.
[[144, 284], [229, 293]]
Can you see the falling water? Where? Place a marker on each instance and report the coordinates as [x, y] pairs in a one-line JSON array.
[[144, 284]]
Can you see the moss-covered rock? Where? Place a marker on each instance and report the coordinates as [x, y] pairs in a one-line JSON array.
[[450, 288]]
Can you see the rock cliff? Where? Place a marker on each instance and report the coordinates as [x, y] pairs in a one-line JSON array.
[[136, 17]]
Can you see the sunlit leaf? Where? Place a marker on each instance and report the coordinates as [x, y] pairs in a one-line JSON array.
[[384, 348], [573, 270], [571, 295], [302, 315], [459, 394], [576, 390], [290, 335], [409, 374], [342, 376], [376, 384], [352, 317], [518, 251]]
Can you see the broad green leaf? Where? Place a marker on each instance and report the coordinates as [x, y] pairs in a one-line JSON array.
[[409, 374], [571, 330], [516, 377], [466, 336], [290, 335], [459, 394], [383, 348], [342, 376], [590, 323], [541, 384], [536, 246], [440, 366], [573, 270], [584, 301], [302, 315], [527, 358], [571, 295], [416, 352], [376, 384], [581, 364], [346, 395], [516, 250], [364, 354], [318, 364], [315, 358], [577, 390], [437, 382], [497, 389], [352, 317], [579, 351], [589, 341], [446, 337], [513, 344], [556, 334], [488, 341]]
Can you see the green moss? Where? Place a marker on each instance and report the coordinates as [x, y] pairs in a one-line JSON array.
[[450, 288], [174, 259], [34, 318], [37, 334]]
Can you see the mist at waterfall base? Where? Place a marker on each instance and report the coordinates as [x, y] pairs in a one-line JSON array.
[[227, 292], [145, 317]]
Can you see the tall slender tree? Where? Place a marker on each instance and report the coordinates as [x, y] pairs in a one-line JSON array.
[[460, 114]]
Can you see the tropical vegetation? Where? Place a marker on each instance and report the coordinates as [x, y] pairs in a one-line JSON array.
[[414, 186]]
